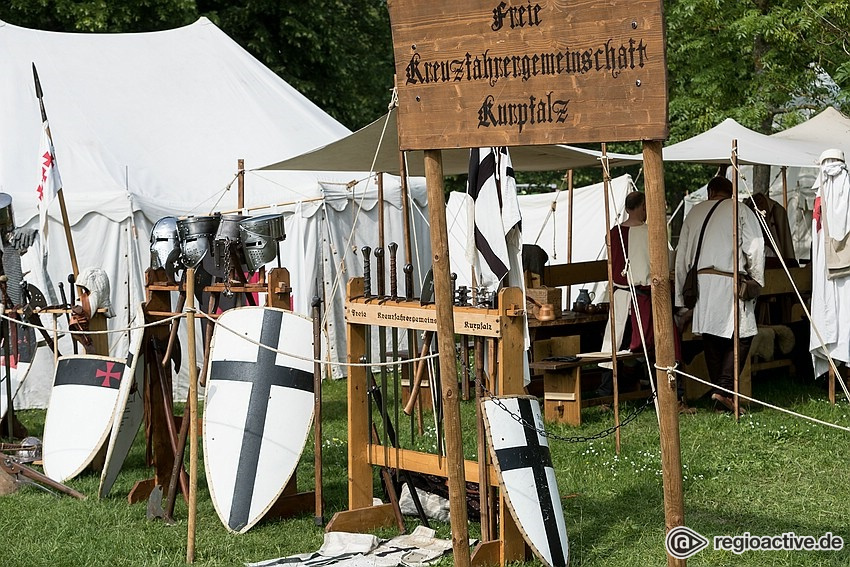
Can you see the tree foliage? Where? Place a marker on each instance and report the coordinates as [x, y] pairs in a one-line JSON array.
[[765, 63]]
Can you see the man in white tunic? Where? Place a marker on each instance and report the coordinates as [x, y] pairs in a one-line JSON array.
[[713, 314], [830, 261]]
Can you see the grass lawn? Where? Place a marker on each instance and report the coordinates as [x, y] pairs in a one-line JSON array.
[[767, 475]]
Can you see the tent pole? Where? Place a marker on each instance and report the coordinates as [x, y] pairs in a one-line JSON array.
[[736, 310], [405, 208], [193, 415], [381, 212], [240, 184], [606, 181], [671, 456], [446, 343], [784, 171]]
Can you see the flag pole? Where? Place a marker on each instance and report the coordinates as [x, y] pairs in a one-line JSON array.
[[67, 225]]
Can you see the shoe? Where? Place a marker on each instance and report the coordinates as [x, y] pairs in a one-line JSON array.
[[728, 403], [685, 409]]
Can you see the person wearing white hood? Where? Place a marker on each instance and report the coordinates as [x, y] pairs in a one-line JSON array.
[[831, 263]]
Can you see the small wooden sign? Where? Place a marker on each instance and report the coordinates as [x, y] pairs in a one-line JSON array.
[[410, 315], [519, 72]]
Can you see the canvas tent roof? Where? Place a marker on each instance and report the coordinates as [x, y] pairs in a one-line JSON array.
[[827, 129], [357, 152], [715, 146], [152, 124]]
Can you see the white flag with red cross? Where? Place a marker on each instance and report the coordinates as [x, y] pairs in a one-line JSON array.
[[49, 183]]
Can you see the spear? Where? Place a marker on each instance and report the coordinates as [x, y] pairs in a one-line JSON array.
[[40, 95]]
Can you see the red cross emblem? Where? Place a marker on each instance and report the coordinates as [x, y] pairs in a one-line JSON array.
[[108, 375]]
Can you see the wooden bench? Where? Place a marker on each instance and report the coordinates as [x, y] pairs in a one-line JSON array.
[[562, 396]]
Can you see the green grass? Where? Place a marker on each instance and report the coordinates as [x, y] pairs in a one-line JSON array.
[[766, 475]]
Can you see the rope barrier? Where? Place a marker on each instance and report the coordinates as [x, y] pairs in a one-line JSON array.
[[675, 370]]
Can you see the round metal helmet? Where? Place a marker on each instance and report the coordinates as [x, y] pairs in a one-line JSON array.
[[30, 450], [260, 236], [196, 234], [227, 238], [7, 216], [164, 242]]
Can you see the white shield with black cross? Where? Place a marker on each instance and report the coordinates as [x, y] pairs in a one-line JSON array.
[[520, 453], [258, 409], [129, 409], [79, 416]]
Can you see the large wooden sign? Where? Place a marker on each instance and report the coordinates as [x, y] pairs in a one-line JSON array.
[[518, 72]]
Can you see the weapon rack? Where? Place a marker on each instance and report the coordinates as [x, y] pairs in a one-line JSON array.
[[161, 425], [503, 328]]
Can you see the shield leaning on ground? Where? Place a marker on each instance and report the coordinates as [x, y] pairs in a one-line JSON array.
[[257, 411], [79, 416], [129, 410], [523, 464]]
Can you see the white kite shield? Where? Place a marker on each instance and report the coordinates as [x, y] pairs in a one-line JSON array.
[[79, 417], [258, 409], [129, 409], [520, 452]]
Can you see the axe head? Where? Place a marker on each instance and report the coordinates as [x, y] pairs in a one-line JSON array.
[[427, 296]]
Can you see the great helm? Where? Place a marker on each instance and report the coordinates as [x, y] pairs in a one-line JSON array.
[[227, 239], [196, 234], [165, 247], [260, 236], [7, 216]]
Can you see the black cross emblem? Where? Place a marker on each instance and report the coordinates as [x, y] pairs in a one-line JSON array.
[[262, 374], [536, 457]]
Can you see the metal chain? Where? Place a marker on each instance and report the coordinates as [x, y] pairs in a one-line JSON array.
[[575, 438], [227, 265]]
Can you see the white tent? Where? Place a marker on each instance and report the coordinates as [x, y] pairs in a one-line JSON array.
[[152, 124], [547, 226]]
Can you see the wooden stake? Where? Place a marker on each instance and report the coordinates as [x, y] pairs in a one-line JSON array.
[[445, 341], [671, 457], [193, 414], [736, 309], [606, 182]]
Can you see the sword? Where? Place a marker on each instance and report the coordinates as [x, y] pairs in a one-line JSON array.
[[367, 269], [408, 282], [382, 346], [393, 247]]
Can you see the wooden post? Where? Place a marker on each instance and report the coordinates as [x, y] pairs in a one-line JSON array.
[[446, 342], [381, 214], [319, 517], [193, 414], [570, 191], [671, 457], [240, 184], [736, 306], [606, 182]]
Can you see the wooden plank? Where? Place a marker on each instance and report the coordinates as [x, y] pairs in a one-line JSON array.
[[486, 553], [362, 520], [411, 315], [360, 488], [576, 273], [426, 463], [482, 73]]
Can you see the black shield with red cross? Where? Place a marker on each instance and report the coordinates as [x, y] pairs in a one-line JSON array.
[[79, 416]]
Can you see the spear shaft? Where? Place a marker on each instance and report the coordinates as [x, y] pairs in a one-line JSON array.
[[67, 225]]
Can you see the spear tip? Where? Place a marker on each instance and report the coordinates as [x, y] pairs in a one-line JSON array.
[[38, 91]]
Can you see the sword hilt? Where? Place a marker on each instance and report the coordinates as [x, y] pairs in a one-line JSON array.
[[367, 271], [408, 281], [454, 288], [379, 271], [393, 247]]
